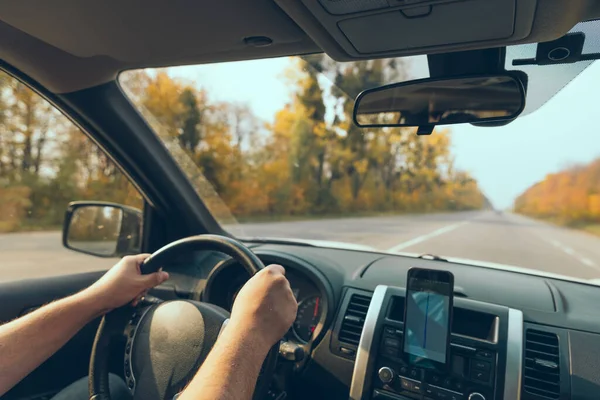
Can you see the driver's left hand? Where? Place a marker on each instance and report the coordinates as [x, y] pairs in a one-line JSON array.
[[124, 283]]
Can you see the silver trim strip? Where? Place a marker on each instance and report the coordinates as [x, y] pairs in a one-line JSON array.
[[409, 379], [359, 375], [460, 346], [514, 355]]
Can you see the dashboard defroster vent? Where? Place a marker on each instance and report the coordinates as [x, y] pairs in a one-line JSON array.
[[354, 319], [541, 375]]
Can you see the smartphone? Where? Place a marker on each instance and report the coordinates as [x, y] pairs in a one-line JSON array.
[[428, 318]]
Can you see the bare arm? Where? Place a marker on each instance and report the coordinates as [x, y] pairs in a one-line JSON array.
[[231, 369], [263, 312], [27, 342]]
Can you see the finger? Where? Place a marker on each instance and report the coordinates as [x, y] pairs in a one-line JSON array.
[[136, 261], [139, 258], [276, 269], [154, 279]]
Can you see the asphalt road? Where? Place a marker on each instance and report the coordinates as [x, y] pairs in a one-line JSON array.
[[485, 236]]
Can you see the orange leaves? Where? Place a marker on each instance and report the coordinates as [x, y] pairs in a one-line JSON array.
[[311, 159], [571, 196]]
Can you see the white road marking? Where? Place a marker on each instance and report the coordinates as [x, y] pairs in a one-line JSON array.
[[587, 262], [571, 252], [422, 238]]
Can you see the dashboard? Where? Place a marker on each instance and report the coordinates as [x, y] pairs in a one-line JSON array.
[[514, 335], [227, 278]]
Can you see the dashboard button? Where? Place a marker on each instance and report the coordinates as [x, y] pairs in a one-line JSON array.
[[436, 379], [481, 365], [447, 382], [389, 330], [386, 374], [485, 354], [458, 385], [441, 394], [403, 370], [406, 384], [480, 376], [414, 373], [391, 342], [391, 351]]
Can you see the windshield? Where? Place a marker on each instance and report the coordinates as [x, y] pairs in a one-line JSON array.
[[271, 149]]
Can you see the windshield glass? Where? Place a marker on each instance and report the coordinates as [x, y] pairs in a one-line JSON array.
[[271, 149]]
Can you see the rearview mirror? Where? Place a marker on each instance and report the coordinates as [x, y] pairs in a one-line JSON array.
[[102, 229], [430, 102]]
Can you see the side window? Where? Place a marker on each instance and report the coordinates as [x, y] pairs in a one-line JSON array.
[[45, 163]]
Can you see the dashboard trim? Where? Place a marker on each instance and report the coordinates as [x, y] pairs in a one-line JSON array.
[[357, 386], [514, 355], [514, 349]]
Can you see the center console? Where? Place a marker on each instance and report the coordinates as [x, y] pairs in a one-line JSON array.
[[484, 363]]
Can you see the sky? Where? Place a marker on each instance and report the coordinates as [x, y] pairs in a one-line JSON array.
[[504, 160]]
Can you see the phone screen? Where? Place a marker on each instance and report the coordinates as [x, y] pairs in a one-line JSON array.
[[428, 316]]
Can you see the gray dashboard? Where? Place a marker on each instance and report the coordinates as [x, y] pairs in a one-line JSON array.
[[567, 310]]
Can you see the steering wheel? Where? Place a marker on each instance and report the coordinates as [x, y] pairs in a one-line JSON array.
[[166, 343]]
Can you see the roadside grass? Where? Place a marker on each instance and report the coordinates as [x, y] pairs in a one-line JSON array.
[[313, 217], [594, 229], [589, 227]]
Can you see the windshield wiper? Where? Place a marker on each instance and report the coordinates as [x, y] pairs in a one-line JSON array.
[[433, 257]]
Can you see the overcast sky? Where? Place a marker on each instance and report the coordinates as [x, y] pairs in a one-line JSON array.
[[504, 160]]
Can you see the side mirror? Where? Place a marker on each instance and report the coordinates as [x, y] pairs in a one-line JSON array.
[[102, 229]]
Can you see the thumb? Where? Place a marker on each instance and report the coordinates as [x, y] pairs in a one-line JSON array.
[[154, 279]]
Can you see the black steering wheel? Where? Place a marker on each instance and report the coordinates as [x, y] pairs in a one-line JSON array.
[[166, 343]]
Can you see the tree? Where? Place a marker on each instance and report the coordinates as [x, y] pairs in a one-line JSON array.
[[190, 121], [570, 197]]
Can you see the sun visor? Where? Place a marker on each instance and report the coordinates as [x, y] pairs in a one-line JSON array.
[[466, 21], [359, 29]]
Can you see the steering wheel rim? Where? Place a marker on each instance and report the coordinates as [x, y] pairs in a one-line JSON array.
[[114, 323]]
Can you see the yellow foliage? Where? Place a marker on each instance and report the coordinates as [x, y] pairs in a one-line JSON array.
[[571, 196]]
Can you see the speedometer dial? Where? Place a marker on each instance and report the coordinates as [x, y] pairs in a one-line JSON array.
[[307, 318]]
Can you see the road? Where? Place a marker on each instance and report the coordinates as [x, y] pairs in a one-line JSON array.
[[482, 235]]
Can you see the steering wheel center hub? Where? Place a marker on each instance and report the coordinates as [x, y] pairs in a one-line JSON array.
[[169, 344]]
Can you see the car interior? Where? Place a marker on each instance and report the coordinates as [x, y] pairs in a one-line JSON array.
[[513, 334]]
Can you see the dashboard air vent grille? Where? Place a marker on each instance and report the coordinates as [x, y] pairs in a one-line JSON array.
[[354, 319], [541, 376]]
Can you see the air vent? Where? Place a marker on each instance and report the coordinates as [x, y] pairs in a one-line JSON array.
[[354, 319], [541, 377]]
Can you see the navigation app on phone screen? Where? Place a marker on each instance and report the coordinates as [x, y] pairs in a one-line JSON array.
[[427, 320]]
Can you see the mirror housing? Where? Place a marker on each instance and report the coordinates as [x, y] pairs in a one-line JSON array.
[[102, 229], [429, 102]]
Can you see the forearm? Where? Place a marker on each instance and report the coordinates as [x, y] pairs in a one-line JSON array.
[[27, 342], [231, 369]]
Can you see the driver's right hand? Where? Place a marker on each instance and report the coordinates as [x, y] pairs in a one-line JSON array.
[[265, 307]]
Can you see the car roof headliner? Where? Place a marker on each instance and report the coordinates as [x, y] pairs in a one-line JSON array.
[[69, 45]]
